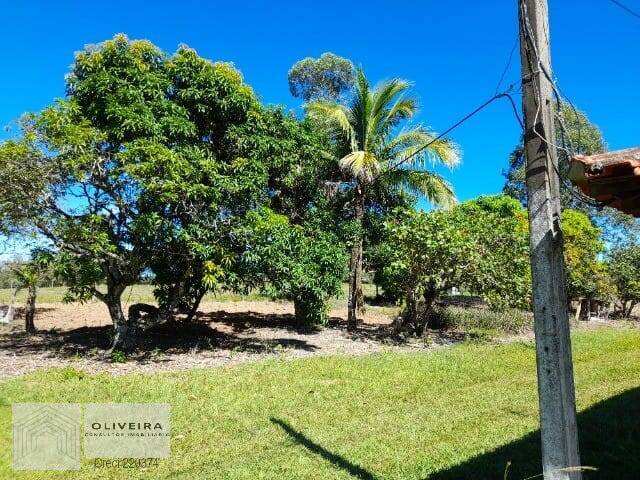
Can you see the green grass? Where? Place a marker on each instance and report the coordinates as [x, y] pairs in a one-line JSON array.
[[457, 413]]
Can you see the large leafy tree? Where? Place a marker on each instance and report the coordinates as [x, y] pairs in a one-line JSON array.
[[298, 262], [294, 155], [480, 246], [326, 77], [131, 171], [624, 268], [371, 138], [292, 249], [583, 247]]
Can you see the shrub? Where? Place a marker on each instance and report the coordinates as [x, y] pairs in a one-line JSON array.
[[469, 319], [480, 246], [118, 356], [295, 262]]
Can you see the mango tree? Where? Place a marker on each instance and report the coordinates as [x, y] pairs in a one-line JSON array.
[[127, 172], [296, 262]]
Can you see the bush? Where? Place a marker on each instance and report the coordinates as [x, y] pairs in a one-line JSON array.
[[296, 263], [311, 308], [479, 246], [470, 319]]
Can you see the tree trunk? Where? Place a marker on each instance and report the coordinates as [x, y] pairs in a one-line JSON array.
[[124, 338], [352, 301], [430, 295], [359, 291], [412, 308], [588, 309], [627, 308], [578, 309], [356, 299], [194, 307], [124, 333], [30, 310]]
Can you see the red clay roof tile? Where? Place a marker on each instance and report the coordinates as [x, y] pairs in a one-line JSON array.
[[611, 178]]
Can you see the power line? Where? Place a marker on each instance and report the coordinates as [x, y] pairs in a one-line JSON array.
[[506, 67], [477, 110], [530, 46], [554, 83], [626, 9], [506, 94]]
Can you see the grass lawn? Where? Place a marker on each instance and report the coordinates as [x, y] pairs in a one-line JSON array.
[[456, 413]]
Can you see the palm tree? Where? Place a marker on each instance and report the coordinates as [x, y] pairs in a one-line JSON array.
[[378, 148]]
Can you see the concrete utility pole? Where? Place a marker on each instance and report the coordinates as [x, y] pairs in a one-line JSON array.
[[556, 390]]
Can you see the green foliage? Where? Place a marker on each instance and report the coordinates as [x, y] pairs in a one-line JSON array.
[[38, 269], [326, 77], [480, 246], [294, 156], [371, 136], [118, 356], [586, 273], [289, 261], [475, 320], [624, 268], [133, 172], [24, 174], [28, 275]]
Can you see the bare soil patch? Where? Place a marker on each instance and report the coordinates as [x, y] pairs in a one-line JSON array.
[[228, 333]]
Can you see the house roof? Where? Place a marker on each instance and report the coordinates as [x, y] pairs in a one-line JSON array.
[[611, 178]]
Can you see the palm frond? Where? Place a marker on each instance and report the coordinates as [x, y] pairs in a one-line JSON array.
[[406, 138], [362, 165], [403, 109], [385, 94], [389, 105], [332, 113], [369, 122], [429, 185], [360, 111], [416, 148]]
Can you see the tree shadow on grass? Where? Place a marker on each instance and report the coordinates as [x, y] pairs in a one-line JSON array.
[[335, 459], [609, 441]]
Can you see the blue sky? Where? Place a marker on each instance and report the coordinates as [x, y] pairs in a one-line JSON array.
[[453, 51]]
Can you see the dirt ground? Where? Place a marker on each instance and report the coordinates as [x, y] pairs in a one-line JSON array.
[[228, 333]]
